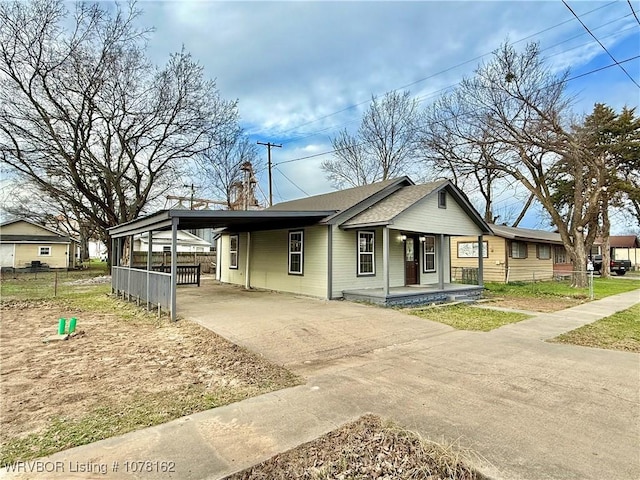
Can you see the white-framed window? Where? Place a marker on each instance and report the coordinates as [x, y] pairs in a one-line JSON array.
[[518, 250], [296, 252], [543, 252], [44, 251], [233, 251], [366, 253], [470, 249], [429, 246]]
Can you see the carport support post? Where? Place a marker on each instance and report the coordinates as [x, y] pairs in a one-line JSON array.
[[114, 263], [130, 267], [174, 266], [385, 261], [149, 265], [480, 262]]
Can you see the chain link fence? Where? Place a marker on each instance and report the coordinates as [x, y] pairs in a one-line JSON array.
[[29, 284]]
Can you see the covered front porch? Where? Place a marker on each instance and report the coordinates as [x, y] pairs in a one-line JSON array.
[[414, 294]]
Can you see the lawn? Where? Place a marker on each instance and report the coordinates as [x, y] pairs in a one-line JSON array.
[[550, 296], [464, 317], [56, 395], [620, 331], [365, 449]]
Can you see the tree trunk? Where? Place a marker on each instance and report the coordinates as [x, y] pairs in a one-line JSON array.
[[606, 251], [579, 262]]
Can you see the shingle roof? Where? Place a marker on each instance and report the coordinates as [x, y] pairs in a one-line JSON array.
[[515, 233], [387, 209], [337, 201]]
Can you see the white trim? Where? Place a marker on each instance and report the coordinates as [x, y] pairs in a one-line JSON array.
[[40, 254], [234, 265], [372, 253], [291, 253], [424, 254]]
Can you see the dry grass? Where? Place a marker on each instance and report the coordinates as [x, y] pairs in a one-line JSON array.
[[124, 370], [365, 449]]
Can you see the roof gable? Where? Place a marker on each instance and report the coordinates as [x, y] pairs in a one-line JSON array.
[[397, 203], [22, 226], [624, 241]]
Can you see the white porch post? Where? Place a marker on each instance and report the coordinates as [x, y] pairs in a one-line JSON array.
[[219, 258], [247, 270], [385, 261], [480, 262], [174, 267], [441, 262], [149, 265]]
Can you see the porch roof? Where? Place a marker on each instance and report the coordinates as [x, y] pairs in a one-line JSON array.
[[232, 220]]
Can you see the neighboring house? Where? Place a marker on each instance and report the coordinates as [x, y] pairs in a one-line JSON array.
[[387, 243], [623, 247], [24, 243], [513, 254], [161, 242], [363, 243]]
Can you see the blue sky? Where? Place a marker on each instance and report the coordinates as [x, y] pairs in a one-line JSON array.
[[302, 71]]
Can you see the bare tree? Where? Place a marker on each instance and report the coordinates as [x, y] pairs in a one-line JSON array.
[[88, 119], [516, 104], [384, 146]]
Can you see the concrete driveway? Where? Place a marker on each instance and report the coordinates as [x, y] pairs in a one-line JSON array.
[[529, 409]]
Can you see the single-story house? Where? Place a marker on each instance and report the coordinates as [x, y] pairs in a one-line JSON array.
[[186, 242], [386, 242], [24, 243], [513, 254]]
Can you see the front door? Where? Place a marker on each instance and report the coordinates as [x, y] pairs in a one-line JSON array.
[[411, 260]]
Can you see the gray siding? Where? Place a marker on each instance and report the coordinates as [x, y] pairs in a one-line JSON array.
[[426, 216], [269, 262]]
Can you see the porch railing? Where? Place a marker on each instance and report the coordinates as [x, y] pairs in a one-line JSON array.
[[186, 274], [152, 288]]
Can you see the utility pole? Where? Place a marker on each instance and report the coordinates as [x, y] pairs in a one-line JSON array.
[[269, 145]]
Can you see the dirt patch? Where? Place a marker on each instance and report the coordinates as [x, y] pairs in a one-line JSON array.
[[536, 304], [112, 361], [365, 449]]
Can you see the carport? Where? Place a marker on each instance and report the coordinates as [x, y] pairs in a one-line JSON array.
[[159, 289]]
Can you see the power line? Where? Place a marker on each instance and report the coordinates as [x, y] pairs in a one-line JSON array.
[[292, 182], [633, 11], [443, 71], [590, 72], [600, 43], [434, 93]]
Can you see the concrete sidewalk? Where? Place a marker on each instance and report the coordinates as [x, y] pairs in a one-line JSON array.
[[529, 409]]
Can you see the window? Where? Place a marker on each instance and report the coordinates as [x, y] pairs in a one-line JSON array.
[[429, 254], [470, 249], [44, 251], [366, 253], [166, 249], [518, 250], [596, 250], [296, 250], [559, 255], [543, 252], [233, 251], [442, 199]]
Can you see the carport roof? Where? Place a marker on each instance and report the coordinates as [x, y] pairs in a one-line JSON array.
[[232, 220]]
